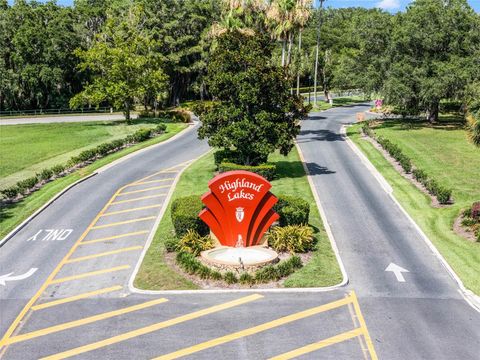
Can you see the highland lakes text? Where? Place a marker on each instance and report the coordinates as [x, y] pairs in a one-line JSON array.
[[233, 186]]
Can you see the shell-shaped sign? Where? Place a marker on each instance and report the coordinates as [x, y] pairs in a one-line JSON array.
[[239, 208]]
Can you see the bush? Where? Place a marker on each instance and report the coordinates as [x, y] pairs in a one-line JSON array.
[[194, 244], [266, 274], [246, 278], [117, 144], [420, 175], [443, 195], [181, 115], [105, 148], [85, 155], [184, 215], [292, 238], [292, 210], [475, 211], [224, 155], [230, 278], [140, 135], [58, 169], [199, 108], [10, 192], [160, 128], [45, 174], [27, 184], [171, 244], [188, 262], [405, 163], [268, 171]]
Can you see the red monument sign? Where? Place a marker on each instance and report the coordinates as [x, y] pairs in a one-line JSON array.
[[239, 208]]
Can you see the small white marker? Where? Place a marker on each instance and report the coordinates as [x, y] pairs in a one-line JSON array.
[[397, 270]]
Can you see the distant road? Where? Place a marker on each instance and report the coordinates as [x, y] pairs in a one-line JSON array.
[[62, 119]]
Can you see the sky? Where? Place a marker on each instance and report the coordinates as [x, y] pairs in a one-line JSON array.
[[389, 5]]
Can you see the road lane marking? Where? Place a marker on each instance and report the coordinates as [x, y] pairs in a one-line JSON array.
[[144, 190], [150, 182], [152, 328], [107, 253], [397, 270], [318, 345], [9, 277], [131, 210], [138, 199], [84, 321], [46, 305], [94, 241], [123, 222], [363, 325], [256, 329], [88, 274], [54, 273], [364, 348]]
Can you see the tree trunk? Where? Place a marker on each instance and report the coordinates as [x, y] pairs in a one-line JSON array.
[[315, 78], [432, 113], [299, 61], [283, 52], [127, 111], [290, 42]]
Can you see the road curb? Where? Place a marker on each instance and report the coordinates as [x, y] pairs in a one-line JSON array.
[[46, 205], [472, 299], [135, 290], [98, 171]]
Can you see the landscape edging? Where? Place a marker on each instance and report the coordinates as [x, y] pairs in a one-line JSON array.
[[472, 299]]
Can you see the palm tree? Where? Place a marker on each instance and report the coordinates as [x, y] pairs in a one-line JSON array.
[[280, 15], [317, 48], [302, 14]]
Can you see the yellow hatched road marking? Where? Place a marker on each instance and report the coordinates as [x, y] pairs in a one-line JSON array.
[[138, 199], [130, 210], [94, 241], [318, 345], [144, 190], [124, 222], [76, 297], [150, 182], [84, 321], [107, 253], [92, 273], [152, 328], [363, 326], [256, 329]]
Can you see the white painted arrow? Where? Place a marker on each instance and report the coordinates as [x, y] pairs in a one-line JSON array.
[[397, 270], [7, 277]]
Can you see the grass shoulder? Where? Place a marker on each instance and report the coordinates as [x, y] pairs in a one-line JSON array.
[[444, 153], [321, 270], [11, 215]]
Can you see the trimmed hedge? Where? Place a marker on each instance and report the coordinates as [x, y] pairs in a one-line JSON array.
[[292, 210], [268, 171], [184, 215], [442, 194]]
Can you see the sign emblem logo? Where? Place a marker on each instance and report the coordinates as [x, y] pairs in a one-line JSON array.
[[239, 208], [240, 214]]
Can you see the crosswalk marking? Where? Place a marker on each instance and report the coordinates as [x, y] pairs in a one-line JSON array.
[[88, 242], [144, 190], [124, 222], [138, 199], [88, 274], [131, 210], [107, 253]]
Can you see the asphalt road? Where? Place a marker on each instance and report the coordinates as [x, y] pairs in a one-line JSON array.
[[61, 119], [78, 302]]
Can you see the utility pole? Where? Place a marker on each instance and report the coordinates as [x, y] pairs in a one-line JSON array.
[[317, 49]]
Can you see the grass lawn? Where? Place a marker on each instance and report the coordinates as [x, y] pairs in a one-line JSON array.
[[27, 149], [337, 102], [322, 270], [13, 214], [445, 154]]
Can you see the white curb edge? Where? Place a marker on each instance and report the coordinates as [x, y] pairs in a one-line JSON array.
[[98, 171], [135, 290], [472, 299]]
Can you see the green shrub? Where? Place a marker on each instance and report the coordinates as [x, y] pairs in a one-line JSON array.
[[266, 274], [420, 175], [246, 278], [58, 169], [215, 275], [291, 238], [405, 163], [188, 262], [141, 135], [225, 155], [194, 244], [105, 148], [199, 108], [468, 221], [27, 184], [45, 174], [184, 215], [443, 195], [85, 155], [475, 210], [292, 210], [230, 278], [10, 192], [171, 243], [160, 128], [181, 115], [117, 144], [268, 171]]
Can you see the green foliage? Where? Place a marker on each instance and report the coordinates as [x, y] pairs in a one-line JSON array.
[[230, 278], [255, 113], [26, 185], [291, 238], [473, 112], [139, 136], [420, 175], [58, 169], [184, 213], [45, 174], [194, 243], [292, 210], [246, 278], [266, 170], [396, 153], [10, 193], [160, 128], [171, 243]]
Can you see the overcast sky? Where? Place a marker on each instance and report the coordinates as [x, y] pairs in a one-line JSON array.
[[390, 5]]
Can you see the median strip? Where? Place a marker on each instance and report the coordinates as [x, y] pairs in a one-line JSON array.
[[84, 321], [152, 328]]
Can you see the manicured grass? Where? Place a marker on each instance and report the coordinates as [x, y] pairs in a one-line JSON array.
[[337, 102], [27, 149], [445, 154], [13, 214], [322, 270]]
